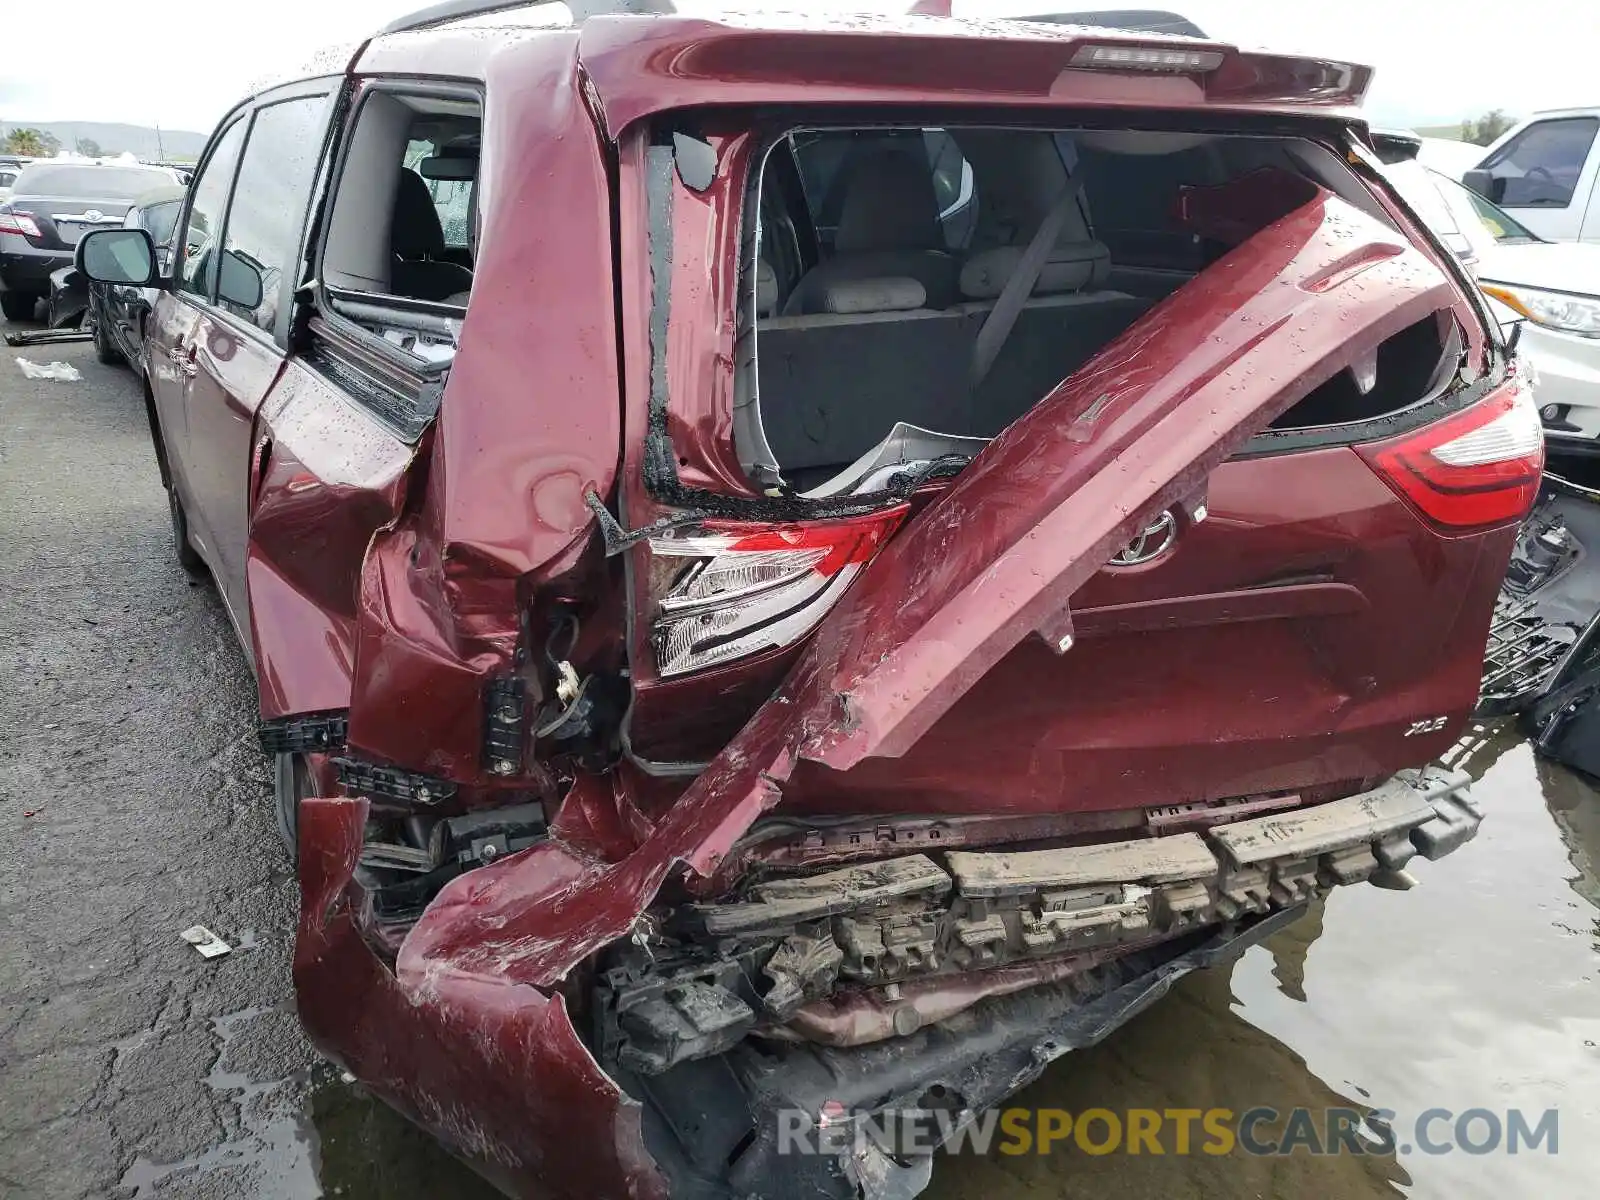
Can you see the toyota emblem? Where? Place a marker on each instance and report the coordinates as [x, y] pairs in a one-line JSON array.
[[1151, 542]]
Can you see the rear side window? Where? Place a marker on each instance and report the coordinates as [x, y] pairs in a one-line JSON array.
[[1539, 168], [197, 270], [269, 208]]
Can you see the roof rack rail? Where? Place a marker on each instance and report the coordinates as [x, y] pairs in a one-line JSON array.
[[582, 10]]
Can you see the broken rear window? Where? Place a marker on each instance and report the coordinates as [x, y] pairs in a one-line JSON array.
[[912, 291]]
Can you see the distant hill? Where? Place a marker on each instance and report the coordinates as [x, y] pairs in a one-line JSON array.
[[141, 140]]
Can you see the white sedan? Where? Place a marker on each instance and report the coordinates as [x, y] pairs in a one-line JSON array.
[[1552, 288]]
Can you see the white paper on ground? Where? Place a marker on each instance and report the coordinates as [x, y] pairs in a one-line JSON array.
[[65, 372]]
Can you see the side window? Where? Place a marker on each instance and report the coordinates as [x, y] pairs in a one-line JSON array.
[[1539, 168], [452, 198], [197, 270], [262, 242]]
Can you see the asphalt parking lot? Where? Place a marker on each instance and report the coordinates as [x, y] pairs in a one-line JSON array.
[[134, 803]]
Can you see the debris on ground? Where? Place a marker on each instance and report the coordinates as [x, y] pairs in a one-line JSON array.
[[41, 337], [203, 940], [65, 372]]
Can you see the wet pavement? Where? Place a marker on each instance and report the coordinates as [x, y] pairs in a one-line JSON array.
[[130, 1067]]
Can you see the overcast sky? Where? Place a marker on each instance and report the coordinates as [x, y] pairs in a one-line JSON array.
[[182, 63]]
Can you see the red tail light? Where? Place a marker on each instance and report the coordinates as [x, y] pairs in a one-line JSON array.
[[745, 590], [1476, 468], [18, 223]]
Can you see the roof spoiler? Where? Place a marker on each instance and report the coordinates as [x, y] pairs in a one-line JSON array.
[[581, 10]]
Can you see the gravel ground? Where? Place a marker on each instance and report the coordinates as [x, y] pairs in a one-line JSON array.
[[134, 803]]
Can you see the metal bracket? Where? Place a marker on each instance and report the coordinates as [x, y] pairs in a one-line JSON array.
[[304, 735], [391, 784]]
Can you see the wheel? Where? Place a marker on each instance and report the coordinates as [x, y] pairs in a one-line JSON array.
[[188, 558], [104, 348], [291, 782], [18, 306]]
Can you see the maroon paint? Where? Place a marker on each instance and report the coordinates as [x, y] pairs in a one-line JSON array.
[[331, 476], [1037, 513], [494, 1069], [529, 422], [639, 69], [468, 1032]]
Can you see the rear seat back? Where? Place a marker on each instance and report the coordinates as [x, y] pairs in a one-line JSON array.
[[888, 227], [835, 381]]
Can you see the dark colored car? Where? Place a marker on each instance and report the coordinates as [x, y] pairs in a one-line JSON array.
[[51, 205], [115, 313], [821, 629]]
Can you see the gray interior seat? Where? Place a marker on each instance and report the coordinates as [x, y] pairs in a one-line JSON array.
[[833, 383], [888, 227]]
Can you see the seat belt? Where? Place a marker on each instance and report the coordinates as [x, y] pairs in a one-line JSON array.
[[1008, 307]]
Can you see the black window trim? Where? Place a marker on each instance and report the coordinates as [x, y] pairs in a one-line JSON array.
[[241, 114]]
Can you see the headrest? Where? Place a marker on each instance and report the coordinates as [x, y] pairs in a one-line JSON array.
[[1071, 267], [766, 288], [890, 293], [888, 205]]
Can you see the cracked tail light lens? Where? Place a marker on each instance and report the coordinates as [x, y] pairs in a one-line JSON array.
[[742, 590], [1476, 468]]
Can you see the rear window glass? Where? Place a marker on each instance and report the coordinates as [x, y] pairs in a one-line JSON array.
[[121, 183]]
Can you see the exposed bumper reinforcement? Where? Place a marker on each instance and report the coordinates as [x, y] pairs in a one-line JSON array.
[[715, 1124]]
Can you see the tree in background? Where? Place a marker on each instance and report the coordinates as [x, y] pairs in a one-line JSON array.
[[1486, 128], [89, 148], [29, 142]]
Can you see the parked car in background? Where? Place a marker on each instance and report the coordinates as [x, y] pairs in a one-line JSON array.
[[1447, 156], [117, 314], [1546, 173], [781, 640], [1551, 288], [51, 206], [8, 176]]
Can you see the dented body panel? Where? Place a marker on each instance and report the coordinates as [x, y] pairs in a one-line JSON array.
[[454, 621]]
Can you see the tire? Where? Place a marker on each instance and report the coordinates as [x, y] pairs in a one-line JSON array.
[[290, 784], [104, 348], [18, 306], [188, 558]]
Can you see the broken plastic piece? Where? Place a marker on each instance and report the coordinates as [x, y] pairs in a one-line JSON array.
[[203, 940], [65, 372]]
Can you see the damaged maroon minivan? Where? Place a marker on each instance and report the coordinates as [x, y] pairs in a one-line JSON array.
[[799, 570]]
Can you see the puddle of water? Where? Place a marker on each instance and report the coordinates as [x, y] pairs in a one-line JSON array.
[[1477, 989], [275, 1148]]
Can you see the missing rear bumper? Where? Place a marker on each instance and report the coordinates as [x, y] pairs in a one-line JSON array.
[[885, 985]]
